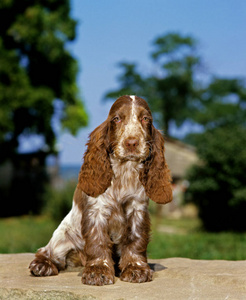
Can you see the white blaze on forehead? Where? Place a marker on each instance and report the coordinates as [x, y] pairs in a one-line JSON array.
[[132, 129], [134, 115]]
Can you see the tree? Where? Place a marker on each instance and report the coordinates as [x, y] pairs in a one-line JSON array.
[[37, 72], [36, 69], [222, 102], [173, 90], [218, 184]]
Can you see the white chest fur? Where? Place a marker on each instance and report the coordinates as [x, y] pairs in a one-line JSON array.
[[124, 198], [125, 182]]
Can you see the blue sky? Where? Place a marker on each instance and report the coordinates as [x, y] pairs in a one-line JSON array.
[[112, 31]]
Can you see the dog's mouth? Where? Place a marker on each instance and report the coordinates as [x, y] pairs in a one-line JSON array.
[[133, 156]]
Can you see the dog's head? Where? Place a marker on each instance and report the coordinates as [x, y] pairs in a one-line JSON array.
[[127, 134]]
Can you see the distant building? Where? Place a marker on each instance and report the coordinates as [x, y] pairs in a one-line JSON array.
[[180, 157]]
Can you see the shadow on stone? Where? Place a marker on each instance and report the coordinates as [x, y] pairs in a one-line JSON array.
[[157, 267]]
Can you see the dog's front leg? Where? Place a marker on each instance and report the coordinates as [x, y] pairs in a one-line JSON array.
[[133, 262], [99, 267]]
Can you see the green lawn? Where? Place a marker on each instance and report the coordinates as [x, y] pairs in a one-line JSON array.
[[185, 238], [170, 238], [25, 234]]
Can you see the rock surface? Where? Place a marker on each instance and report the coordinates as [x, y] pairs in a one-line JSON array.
[[174, 278]]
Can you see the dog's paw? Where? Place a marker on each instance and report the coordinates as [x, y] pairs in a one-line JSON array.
[[42, 266], [97, 275], [136, 273]]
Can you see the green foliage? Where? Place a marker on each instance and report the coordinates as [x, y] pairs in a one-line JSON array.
[[58, 201], [173, 89], [217, 186], [172, 43], [74, 114], [131, 82], [222, 103], [35, 69]]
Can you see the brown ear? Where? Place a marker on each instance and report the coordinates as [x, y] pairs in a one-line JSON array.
[[96, 172], [155, 175]]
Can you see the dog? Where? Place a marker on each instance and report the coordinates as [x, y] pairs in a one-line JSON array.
[[124, 166]]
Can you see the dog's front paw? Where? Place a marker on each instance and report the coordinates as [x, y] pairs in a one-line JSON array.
[[97, 275], [136, 273], [42, 266]]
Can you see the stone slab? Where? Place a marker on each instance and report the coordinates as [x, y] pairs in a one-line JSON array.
[[174, 279]]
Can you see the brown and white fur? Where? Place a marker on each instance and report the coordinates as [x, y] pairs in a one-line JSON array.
[[124, 166]]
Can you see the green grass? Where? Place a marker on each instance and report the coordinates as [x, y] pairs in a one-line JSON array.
[[170, 238], [25, 234], [185, 238]]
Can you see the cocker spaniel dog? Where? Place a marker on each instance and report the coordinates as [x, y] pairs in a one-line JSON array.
[[124, 166]]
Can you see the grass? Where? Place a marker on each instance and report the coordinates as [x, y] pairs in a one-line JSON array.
[[185, 238], [25, 234], [170, 238]]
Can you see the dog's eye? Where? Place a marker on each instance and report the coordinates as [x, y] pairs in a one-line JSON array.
[[145, 119], [116, 119]]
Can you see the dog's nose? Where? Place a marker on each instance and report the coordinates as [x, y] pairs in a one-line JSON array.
[[131, 144]]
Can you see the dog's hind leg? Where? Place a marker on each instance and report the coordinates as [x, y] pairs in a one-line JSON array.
[[65, 240]]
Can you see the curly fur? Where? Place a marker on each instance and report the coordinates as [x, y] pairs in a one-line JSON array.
[[96, 172], [155, 176], [107, 229]]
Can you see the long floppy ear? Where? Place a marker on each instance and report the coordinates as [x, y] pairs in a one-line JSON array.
[[155, 176], [96, 172]]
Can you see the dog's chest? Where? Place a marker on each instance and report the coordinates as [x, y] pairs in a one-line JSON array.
[[127, 195], [125, 182]]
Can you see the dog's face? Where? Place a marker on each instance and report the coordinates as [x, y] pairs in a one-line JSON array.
[[127, 134], [130, 132]]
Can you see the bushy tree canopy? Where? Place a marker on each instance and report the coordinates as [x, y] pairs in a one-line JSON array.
[[179, 91], [218, 184], [172, 89], [222, 102], [36, 69]]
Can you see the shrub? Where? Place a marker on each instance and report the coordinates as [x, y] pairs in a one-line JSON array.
[[58, 201], [218, 185]]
